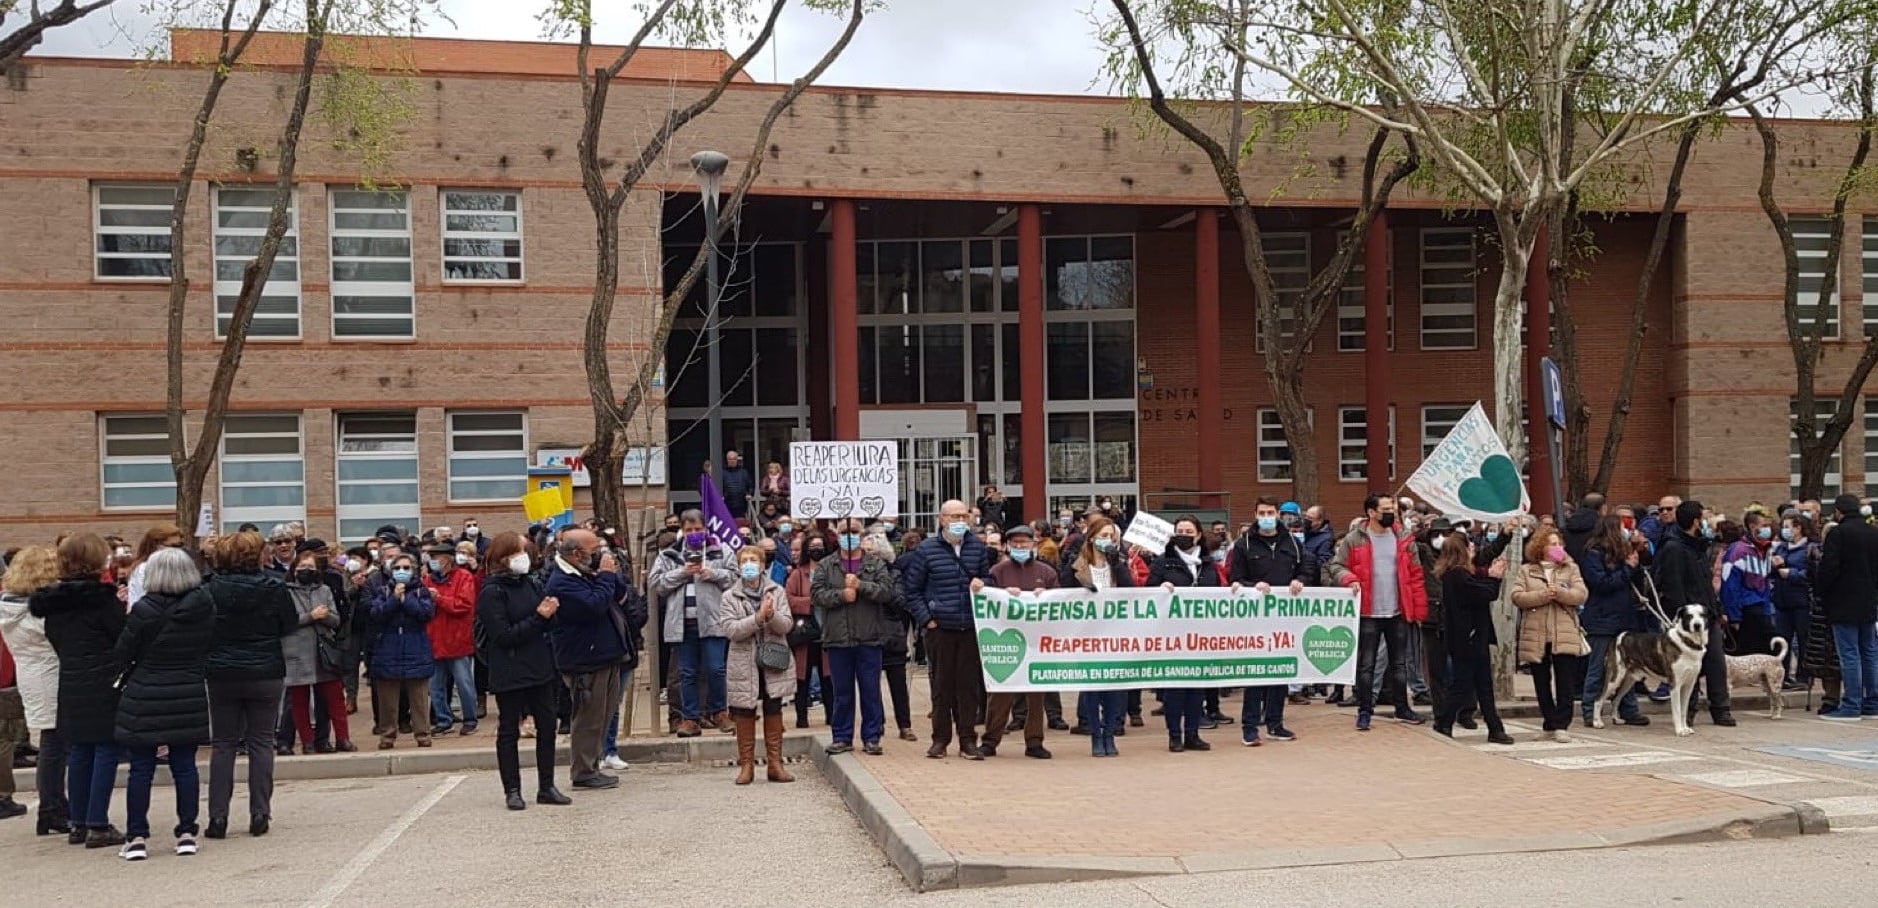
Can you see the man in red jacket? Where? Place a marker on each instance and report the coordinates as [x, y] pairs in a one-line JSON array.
[[452, 644], [1377, 560]]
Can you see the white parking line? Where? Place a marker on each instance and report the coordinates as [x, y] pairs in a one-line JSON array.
[[362, 861], [1743, 778], [1609, 761]]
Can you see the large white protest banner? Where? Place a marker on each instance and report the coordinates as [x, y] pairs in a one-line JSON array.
[[1469, 474], [844, 479], [1074, 639]]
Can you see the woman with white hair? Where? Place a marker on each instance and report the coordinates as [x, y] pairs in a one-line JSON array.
[[165, 701]]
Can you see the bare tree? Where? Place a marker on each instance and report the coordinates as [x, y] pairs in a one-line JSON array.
[[608, 195], [19, 36], [1285, 327], [315, 20]]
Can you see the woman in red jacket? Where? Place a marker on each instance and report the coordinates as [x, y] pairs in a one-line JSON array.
[[452, 643], [805, 550]]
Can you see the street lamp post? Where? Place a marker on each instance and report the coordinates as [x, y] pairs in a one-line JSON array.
[[708, 167]]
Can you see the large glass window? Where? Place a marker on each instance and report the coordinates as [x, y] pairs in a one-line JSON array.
[[1871, 446], [1869, 271], [263, 470], [375, 463], [1288, 258], [1811, 238], [1353, 444], [374, 294], [1067, 348], [1274, 450], [135, 463], [1089, 273], [1437, 421], [132, 232], [241, 217], [482, 236], [1351, 318], [1448, 293], [488, 456]]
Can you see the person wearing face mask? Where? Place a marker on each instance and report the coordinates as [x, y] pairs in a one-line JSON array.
[[473, 534], [1612, 569], [936, 584], [1377, 561], [1683, 578], [307, 675], [1184, 565], [452, 644], [853, 588], [1097, 566], [1548, 591], [1019, 572], [1265, 559], [690, 579], [401, 662], [1746, 593], [805, 636], [593, 629], [246, 668], [1795, 560], [754, 611], [513, 616]]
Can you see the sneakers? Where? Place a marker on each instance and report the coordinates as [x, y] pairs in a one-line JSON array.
[[1249, 737], [613, 762], [872, 748], [1362, 721], [1280, 733], [1660, 694], [1559, 736], [1499, 737], [1409, 717], [1840, 715], [1193, 742], [906, 734], [104, 837], [599, 781], [186, 844], [134, 850], [970, 752]]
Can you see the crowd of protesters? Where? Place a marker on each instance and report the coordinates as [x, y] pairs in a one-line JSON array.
[[254, 645]]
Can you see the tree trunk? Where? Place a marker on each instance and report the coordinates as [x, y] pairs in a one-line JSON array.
[[1508, 353], [1295, 416], [1577, 466]]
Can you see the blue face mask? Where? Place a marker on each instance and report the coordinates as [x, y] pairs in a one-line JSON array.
[[1764, 533], [1020, 555], [1708, 531], [850, 541], [401, 575], [783, 527], [750, 570], [1105, 544], [1298, 536], [1787, 533], [957, 529], [1268, 524], [1492, 535]]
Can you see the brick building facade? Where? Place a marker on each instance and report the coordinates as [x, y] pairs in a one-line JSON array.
[[422, 345]]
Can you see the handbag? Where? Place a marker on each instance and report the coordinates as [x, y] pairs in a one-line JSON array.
[[805, 631], [772, 655], [332, 656]]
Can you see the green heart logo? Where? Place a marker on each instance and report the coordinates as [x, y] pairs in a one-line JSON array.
[[1329, 647], [1497, 490], [1000, 652]]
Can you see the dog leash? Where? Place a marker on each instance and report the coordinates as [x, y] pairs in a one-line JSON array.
[[1652, 601]]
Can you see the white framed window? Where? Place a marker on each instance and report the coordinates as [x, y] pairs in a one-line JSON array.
[[1868, 270], [374, 293], [1449, 305], [263, 470], [1274, 450], [482, 236], [1437, 421], [241, 216], [1351, 308], [1288, 258], [375, 465], [134, 463], [1871, 446], [1811, 237], [488, 456], [1835, 476], [130, 227], [1353, 441]]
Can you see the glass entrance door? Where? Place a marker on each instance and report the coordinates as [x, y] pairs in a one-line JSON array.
[[934, 471]]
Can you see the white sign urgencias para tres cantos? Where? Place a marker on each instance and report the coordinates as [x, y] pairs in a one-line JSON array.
[[829, 479]]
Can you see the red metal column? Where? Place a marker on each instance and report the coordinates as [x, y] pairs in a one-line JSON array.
[[1032, 354], [1538, 345], [1376, 351], [1206, 358], [843, 320]]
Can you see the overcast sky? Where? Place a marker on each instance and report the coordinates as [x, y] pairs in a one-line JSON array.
[[987, 45]]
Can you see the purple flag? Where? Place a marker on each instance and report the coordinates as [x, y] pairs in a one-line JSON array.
[[717, 519]]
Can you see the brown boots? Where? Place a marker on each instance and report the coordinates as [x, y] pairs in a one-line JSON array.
[[746, 748], [773, 746]]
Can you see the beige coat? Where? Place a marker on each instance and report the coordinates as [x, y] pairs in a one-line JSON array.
[[1543, 622], [738, 619]]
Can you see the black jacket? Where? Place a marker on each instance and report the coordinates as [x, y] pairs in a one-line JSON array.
[[1682, 573], [253, 611], [1847, 585], [1467, 614], [1276, 560], [1171, 568], [83, 621], [511, 637], [1577, 532], [165, 641]]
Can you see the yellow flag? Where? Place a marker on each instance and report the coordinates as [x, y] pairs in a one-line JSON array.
[[543, 504]]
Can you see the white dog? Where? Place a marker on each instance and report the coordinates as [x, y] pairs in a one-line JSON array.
[[1674, 656]]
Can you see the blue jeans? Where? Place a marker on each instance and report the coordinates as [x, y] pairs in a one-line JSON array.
[[1105, 710], [1858, 661], [1183, 708], [90, 774], [1263, 706], [612, 727], [463, 672], [143, 764], [849, 667], [695, 654], [1794, 625], [1594, 679]]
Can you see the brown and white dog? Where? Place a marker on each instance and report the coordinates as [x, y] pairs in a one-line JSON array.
[[1674, 656], [1769, 672]]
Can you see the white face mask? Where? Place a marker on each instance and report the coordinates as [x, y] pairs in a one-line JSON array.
[[472, 531], [518, 563], [462, 558]]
